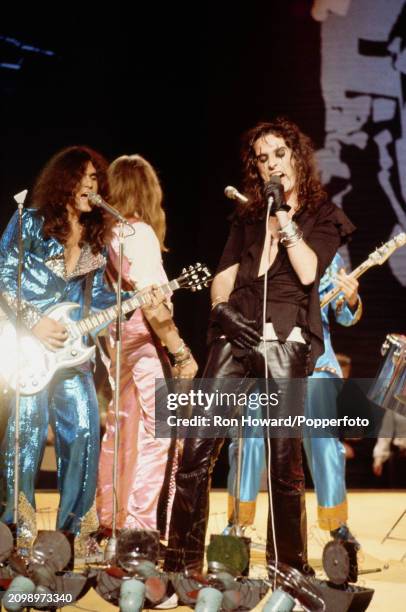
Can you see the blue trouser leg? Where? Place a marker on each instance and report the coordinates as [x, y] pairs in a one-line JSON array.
[[33, 433], [75, 420], [69, 403], [326, 456]]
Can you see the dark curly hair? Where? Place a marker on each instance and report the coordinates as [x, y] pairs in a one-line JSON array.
[[310, 192], [55, 188]]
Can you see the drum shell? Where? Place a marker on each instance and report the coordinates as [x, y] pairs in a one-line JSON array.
[[390, 380]]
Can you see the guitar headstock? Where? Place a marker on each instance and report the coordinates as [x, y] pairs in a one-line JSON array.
[[382, 253], [194, 277]]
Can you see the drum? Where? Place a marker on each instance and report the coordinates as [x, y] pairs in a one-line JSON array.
[[390, 381]]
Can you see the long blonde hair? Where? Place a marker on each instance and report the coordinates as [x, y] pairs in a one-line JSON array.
[[136, 192]]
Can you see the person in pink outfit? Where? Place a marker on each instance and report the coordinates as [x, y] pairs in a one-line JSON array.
[[147, 465]]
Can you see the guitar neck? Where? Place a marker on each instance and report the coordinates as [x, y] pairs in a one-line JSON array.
[[330, 295], [98, 319]]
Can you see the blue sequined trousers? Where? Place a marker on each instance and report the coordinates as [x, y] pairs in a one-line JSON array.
[[69, 405]]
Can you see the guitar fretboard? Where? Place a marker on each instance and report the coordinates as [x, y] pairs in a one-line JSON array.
[[359, 270], [376, 258], [102, 317]]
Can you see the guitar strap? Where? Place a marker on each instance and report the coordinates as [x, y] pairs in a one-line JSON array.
[[88, 293], [99, 342]]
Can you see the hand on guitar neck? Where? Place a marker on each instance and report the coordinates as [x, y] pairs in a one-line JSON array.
[[349, 286]]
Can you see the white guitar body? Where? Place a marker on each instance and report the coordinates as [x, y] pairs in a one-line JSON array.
[[38, 364]]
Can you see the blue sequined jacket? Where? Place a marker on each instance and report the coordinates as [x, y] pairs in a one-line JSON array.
[[342, 312], [44, 279]]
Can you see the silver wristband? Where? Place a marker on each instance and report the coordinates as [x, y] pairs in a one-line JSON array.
[[289, 231]]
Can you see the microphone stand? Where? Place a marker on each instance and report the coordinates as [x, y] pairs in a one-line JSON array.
[[266, 375], [20, 199], [237, 529], [111, 547], [97, 200]]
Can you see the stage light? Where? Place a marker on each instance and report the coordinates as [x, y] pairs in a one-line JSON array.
[[16, 596], [209, 600], [340, 561], [135, 561], [132, 595], [279, 602], [135, 546], [227, 553], [137, 554], [290, 582], [224, 586], [51, 552]]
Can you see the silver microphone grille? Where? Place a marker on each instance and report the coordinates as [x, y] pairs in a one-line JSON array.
[[234, 194], [94, 198]]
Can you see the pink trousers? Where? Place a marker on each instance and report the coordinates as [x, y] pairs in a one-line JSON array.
[[142, 458]]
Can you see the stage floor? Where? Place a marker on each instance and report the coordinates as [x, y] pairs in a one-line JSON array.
[[372, 513]]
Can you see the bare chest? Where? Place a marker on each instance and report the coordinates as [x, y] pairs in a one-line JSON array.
[[270, 248]]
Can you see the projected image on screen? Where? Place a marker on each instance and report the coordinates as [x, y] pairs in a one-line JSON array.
[[363, 82]]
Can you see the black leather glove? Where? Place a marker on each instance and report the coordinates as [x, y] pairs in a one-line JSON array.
[[275, 190], [239, 330]]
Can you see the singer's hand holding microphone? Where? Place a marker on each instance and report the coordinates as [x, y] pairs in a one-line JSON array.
[[274, 189]]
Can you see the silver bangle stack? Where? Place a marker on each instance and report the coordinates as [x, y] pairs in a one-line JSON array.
[[290, 235]]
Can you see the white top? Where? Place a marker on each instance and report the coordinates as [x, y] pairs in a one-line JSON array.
[[143, 258]]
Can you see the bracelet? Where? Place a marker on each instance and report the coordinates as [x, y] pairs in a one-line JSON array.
[[217, 300], [179, 351], [180, 359], [290, 235], [185, 362], [289, 229], [290, 242]]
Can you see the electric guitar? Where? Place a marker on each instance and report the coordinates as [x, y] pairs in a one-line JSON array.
[[377, 258], [35, 365]]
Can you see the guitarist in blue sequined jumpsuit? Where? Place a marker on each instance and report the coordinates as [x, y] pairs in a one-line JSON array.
[[64, 248]]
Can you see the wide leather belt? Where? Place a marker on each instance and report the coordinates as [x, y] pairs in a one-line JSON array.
[[294, 336]]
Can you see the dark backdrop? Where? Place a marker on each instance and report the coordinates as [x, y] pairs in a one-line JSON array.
[[179, 86]]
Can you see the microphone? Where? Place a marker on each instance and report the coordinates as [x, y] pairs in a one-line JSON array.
[[268, 191], [97, 200], [233, 194]]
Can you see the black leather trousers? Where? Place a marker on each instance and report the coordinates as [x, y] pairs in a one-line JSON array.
[[284, 460]]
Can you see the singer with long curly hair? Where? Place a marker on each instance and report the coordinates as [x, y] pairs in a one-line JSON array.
[[146, 464], [63, 261], [265, 320]]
